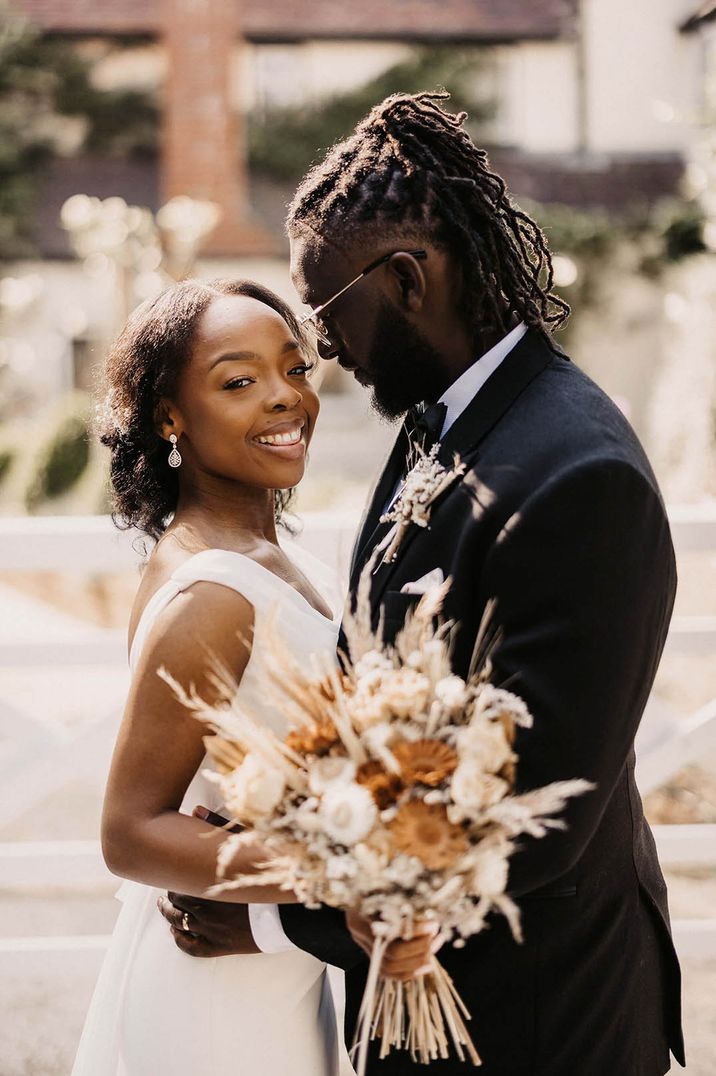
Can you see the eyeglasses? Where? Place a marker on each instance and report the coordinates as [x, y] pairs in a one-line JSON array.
[[315, 314]]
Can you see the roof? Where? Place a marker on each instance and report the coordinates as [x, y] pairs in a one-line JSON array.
[[705, 13], [286, 20]]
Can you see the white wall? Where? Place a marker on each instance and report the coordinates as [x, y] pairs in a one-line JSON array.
[[639, 70], [290, 74], [537, 96]]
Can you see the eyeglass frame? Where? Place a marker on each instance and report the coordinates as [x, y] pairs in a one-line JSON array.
[[316, 312]]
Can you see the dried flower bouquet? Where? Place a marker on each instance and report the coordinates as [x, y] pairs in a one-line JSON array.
[[393, 794]]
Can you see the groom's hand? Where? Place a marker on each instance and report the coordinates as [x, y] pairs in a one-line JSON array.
[[403, 959], [215, 927]]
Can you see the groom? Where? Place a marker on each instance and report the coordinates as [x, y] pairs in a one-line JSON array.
[[559, 518]]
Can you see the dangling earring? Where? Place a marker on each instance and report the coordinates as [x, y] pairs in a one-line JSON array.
[[175, 454]]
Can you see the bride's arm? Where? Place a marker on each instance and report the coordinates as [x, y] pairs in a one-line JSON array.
[[160, 746]]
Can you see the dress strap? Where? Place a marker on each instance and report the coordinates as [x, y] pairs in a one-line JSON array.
[[234, 570], [157, 604]]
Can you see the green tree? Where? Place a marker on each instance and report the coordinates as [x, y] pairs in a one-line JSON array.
[[42, 80], [286, 141]]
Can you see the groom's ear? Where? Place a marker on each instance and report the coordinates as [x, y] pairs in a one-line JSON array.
[[167, 420], [410, 281]]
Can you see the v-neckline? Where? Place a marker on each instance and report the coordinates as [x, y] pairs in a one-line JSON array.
[[267, 571]]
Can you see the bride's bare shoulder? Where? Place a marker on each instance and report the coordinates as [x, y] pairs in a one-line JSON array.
[[219, 616], [163, 561]]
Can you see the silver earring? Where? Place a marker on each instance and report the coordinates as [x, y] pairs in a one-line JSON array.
[[175, 454]]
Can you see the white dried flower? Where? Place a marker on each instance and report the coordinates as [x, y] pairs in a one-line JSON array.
[[377, 737], [254, 789], [348, 813], [367, 709], [406, 693], [371, 662], [340, 868], [473, 789], [404, 871], [306, 816], [451, 692], [371, 681], [489, 877], [371, 862], [485, 744], [341, 894], [491, 701], [324, 771]]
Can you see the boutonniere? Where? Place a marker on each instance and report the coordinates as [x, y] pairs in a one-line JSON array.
[[423, 485]]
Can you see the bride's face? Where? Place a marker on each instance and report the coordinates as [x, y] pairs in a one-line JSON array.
[[244, 409]]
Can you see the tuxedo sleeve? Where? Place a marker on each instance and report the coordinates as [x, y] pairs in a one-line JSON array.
[[584, 578], [323, 933]]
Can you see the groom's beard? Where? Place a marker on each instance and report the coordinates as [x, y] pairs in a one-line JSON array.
[[403, 367]]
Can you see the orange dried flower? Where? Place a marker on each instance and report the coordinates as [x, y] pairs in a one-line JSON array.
[[384, 787], [424, 830], [315, 739], [427, 761]]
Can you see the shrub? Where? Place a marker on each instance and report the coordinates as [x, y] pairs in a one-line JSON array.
[[7, 458], [62, 455]]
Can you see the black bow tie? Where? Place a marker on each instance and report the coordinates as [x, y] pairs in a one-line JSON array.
[[425, 424]]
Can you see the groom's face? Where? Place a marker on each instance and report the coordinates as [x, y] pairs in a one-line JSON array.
[[366, 331]]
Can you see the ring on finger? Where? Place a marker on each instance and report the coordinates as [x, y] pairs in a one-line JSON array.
[[185, 923]]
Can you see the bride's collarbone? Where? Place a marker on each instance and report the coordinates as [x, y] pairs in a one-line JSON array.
[[280, 565]]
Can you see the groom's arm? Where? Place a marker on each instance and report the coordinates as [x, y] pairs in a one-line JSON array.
[[584, 578], [322, 932]]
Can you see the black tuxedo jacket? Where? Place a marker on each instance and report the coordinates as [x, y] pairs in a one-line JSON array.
[[560, 519]]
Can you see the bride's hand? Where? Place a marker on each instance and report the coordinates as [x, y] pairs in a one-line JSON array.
[[208, 927], [403, 959]]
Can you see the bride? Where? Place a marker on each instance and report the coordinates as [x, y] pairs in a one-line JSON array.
[[209, 415]]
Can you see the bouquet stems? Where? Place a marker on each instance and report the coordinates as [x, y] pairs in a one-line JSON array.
[[422, 1015]]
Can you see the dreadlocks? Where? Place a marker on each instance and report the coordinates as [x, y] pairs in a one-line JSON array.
[[410, 166]]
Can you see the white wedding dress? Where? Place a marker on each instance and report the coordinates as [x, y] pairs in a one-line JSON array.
[[157, 1011]]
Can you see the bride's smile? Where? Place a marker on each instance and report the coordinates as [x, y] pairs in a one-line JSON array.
[[284, 436]]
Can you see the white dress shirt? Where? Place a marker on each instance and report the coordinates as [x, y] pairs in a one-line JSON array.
[[264, 919], [469, 383]]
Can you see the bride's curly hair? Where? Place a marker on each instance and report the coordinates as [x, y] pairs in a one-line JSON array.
[[142, 367]]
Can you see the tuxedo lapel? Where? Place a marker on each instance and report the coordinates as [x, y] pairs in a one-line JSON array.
[[382, 490], [528, 358]]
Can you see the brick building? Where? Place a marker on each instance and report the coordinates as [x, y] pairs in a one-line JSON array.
[[590, 94], [296, 20]]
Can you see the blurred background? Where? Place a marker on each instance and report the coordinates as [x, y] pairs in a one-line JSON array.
[[141, 142]]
